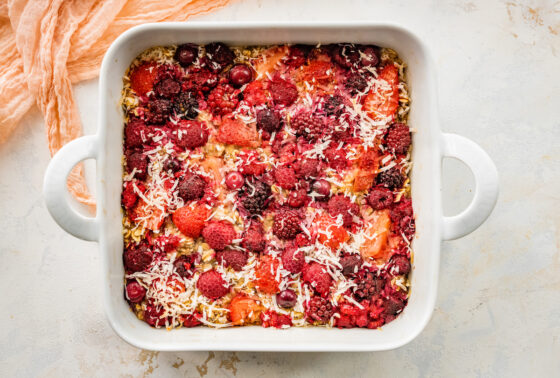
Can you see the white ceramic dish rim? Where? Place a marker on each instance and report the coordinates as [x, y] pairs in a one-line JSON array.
[[430, 146]]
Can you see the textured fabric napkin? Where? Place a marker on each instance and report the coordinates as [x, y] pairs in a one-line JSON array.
[[46, 45]]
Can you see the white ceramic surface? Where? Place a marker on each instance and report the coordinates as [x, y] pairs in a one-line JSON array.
[[430, 146]]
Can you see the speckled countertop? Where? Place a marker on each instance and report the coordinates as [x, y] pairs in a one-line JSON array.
[[498, 307]]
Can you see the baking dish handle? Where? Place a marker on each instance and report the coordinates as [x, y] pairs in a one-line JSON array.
[[56, 192], [486, 186]]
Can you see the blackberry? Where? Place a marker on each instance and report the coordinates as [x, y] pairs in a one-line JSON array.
[[185, 265], [159, 111], [167, 88], [355, 83], [349, 264], [220, 55], [254, 196], [319, 310], [186, 106], [368, 284], [333, 105], [391, 178]]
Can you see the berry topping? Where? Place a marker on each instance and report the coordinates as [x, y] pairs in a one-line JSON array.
[[191, 134], [251, 163], [286, 298], [142, 78], [186, 54], [220, 55], [137, 162], [135, 133], [393, 306], [308, 125], [223, 99], [317, 276], [398, 138], [191, 187], [184, 265], [201, 80], [346, 55], [234, 180], [167, 88], [232, 258], [129, 196], [190, 220], [402, 217], [254, 196], [137, 257], [341, 205], [253, 238], [135, 292], [268, 120], [293, 259], [333, 105], [368, 284], [286, 223], [380, 198], [319, 310], [233, 131], [391, 178], [285, 177], [355, 83], [369, 56], [283, 92], [212, 285], [266, 275], [159, 111], [298, 198], [336, 158], [350, 264], [271, 318], [331, 233], [240, 75], [219, 234], [308, 168], [186, 105], [381, 103], [321, 189], [401, 264], [153, 314]]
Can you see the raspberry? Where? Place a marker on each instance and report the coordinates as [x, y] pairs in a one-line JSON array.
[[345, 54], [223, 99], [265, 273], [191, 187], [336, 158], [142, 78], [380, 198], [159, 111], [167, 88], [129, 196], [190, 321], [186, 105], [283, 92], [134, 292], [402, 217], [308, 168], [201, 80], [253, 238], [139, 162], [137, 257], [273, 319], [316, 276], [219, 234], [254, 196], [398, 138], [135, 133], [286, 223], [254, 93], [401, 264], [268, 120], [308, 125], [341, 205], [319, 310], [220, 55], [186, 54], [285, 177], [393, 306], [185, 265], [286, 298], [153, 314], [251, 163], [355, 83], [232, 258], [190, 134], [212, 285], [368, 284], [190, 220], [333, 105], [392, 178], [293, 259], [350, 264]]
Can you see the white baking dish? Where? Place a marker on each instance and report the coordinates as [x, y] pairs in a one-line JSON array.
[[430, 146]]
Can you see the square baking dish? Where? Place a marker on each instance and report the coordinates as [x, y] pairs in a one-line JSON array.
[[429, 147]]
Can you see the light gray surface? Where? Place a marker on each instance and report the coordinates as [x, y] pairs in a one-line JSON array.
[[498, 308]]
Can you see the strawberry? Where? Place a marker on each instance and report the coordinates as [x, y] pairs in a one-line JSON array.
[[143, 77], [129, 196], [212, 285], [329, 233], [381, 102], [251, 163], [244, 309], [376, 236], [254, 93], [316, 70], [253, 238], [266, 275], [232, 258], [233, 131], [285, 177], [318, 278], [219, 234], [342, 205], [190, 219], [151, 215], [283, 92]]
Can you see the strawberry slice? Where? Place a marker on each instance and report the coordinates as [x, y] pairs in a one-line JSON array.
[[377, 236], [233, 131], [330, 233], [244, 309], [143, 77], [150, 215], [382, 100]]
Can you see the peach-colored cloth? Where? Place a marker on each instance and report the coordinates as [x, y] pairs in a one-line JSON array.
[[46, 45]]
